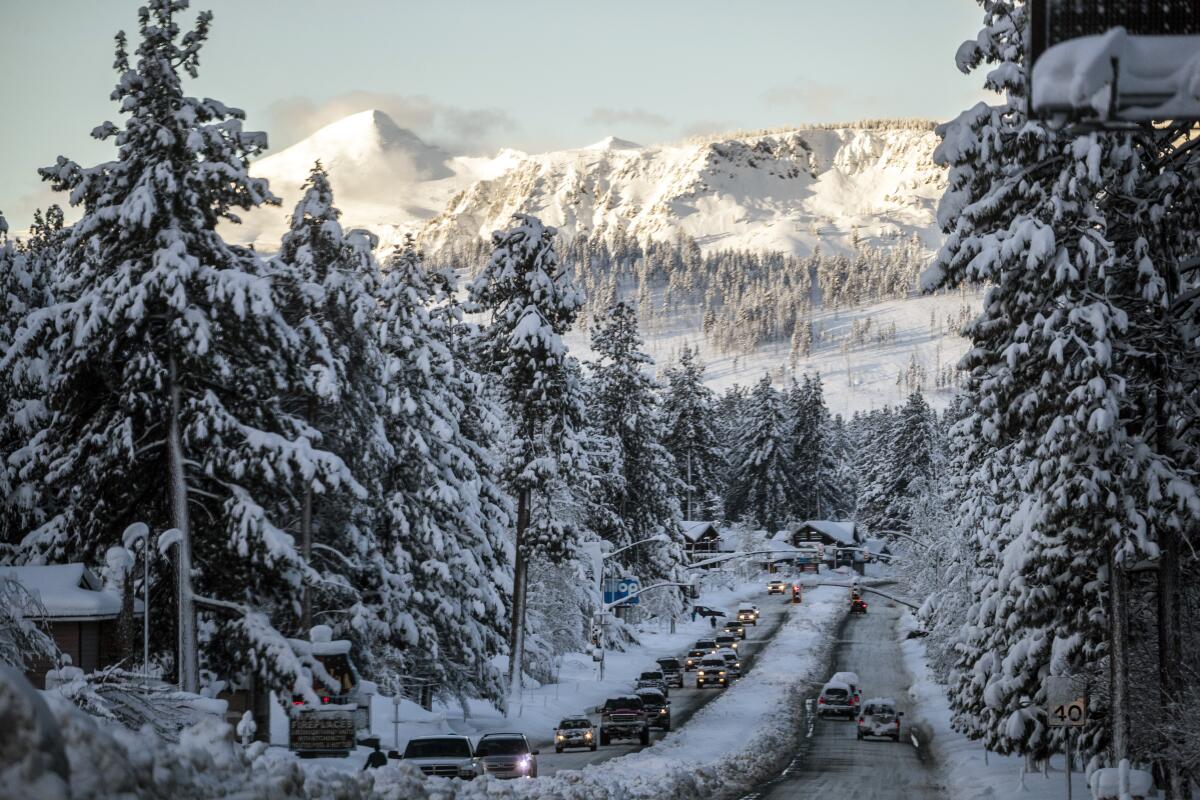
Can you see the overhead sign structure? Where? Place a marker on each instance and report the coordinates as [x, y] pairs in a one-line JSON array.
[[1120, 61], [1066, 701], [618, 590]]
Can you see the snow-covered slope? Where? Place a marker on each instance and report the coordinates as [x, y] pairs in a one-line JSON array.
[[384, 178], [787, 191]]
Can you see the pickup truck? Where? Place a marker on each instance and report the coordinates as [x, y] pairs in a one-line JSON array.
[[624, 717]]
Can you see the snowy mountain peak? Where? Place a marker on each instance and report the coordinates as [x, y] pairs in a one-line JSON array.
[[614, 143]]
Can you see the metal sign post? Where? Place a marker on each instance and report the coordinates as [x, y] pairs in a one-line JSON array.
[[1066, 707]]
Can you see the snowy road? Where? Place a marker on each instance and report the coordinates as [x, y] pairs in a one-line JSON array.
[[684, 702], [833, 763]]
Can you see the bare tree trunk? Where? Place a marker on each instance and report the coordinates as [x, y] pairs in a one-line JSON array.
[[516, 635], [188, 667], [1118, 659]]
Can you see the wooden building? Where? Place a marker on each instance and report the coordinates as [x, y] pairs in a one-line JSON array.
[[79, 614]]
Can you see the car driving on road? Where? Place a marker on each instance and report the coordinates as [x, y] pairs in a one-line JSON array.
[[575, 732], [851, 680], [672, 670], [836, 699], [776, 587], [444, 756], [624, 717], [693, 658], [748, 614], [712, 672], [707, 645], [879, 717], [727, 640], [658, 708], [733, 664], [653, 679], [736, 628], [507, 755]]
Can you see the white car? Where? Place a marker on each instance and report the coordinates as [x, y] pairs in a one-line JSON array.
[[851, 680], [747, 614], [836, 699], [879, 717]]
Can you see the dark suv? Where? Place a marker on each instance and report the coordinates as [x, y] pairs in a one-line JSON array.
[[507, 755], [657, 707], [624, 717]]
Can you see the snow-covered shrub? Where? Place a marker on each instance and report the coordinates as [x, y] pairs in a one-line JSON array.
[[21, 638]]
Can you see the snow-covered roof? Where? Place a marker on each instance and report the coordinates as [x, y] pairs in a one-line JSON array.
[[68, 591], [877, 546], [693, 529], [842, 531]]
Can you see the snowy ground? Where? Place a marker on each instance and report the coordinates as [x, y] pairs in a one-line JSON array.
[[858, 380], [969, 772]]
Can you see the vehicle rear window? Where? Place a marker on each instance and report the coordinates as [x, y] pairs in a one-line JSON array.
[[614, 703], [501, 746], [438, 748], [573, 724], [836, 694]]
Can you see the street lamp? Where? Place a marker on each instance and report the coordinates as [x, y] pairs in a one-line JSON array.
[[140, 532]]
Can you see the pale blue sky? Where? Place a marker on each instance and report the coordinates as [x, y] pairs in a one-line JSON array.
[[474, 75]]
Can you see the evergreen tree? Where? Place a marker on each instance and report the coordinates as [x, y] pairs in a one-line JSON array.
[[623, 407], [169, 358], [442, 556], [325, 288], [531, 303], [819, 493], [762, 487], [1054, 368], [692, 437]]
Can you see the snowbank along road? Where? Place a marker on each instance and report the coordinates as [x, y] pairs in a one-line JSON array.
[[684, 702], [833, 763]]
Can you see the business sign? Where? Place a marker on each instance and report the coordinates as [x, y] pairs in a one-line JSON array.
[[1066, 701], [618, 590], [314, 730]]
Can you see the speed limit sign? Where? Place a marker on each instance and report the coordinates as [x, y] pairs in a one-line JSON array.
[[1066, 701]]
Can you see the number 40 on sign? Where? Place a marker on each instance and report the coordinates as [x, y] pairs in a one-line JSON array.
[[1066, 701]]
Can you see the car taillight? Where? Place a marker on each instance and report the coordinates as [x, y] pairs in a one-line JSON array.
[[324, 699], [297, 702], [821, 701], [861, 720], [897, 723]]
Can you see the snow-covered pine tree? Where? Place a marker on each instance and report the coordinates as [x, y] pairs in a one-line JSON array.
[[443, 559], [819, 491], [531, 302], [762, 488], [1035, 214], [623, 406], [169, 359], [325, 284], [692, 437]]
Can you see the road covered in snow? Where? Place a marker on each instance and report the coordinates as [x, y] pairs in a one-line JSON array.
[[833, 763], [685, 702]]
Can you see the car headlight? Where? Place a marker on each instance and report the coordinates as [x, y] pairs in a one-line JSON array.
[[700, 674], [662, 711], [560, 737], [722, 672], [523, 762], [587, 735]]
